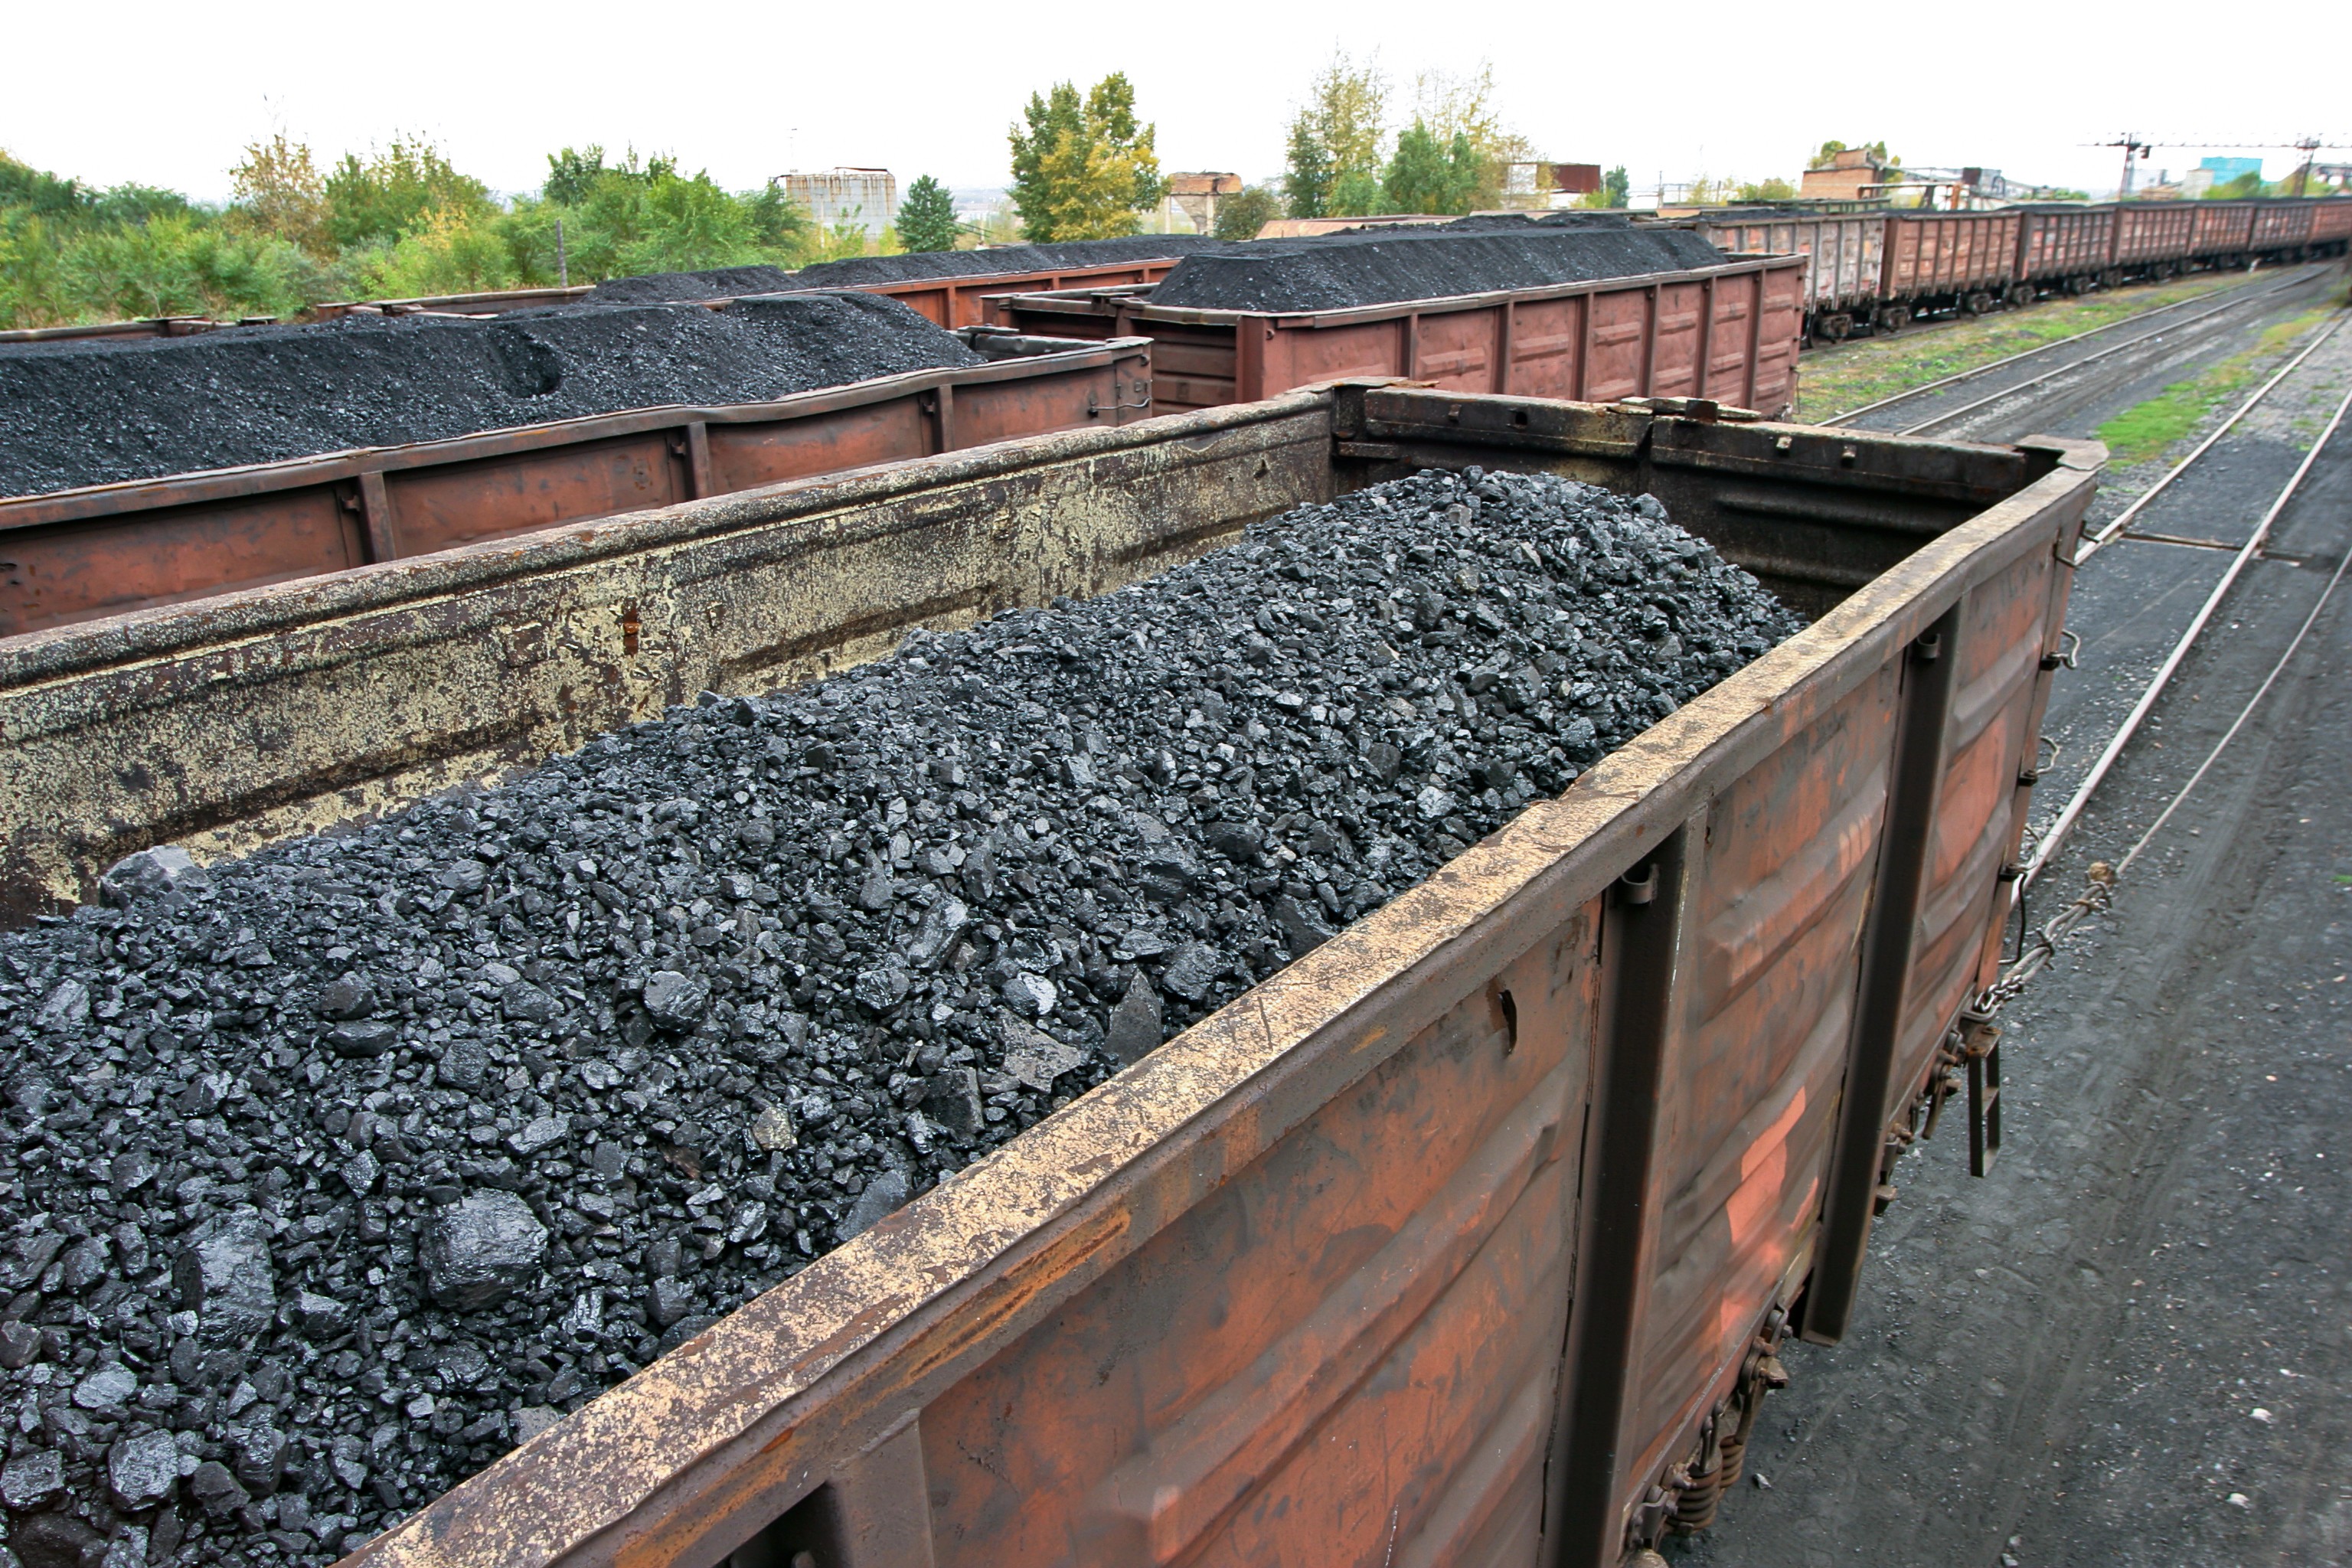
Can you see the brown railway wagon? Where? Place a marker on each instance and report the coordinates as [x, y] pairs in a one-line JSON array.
[[2281, 225], [2153, 237], [949, 303], [967, 302], [72, 555], [1843, 251], [1727, 334], [1934, 259], [2223, 229], [2064, 248], [1464, 1240], [2331, 223]]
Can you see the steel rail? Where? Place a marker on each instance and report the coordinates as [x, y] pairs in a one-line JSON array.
[[2056, 371], [2008, 359], [2121, 520], [2055, 837]]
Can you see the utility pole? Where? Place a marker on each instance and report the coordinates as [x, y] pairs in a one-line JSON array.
[[2132, 148], [2309, 147], [562, 267]]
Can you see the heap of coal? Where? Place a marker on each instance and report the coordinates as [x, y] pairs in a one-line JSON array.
[[716, 283], [331, 1173], [858, 270], [1377, 267], [87, 413]]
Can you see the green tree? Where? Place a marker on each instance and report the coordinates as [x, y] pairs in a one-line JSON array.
[[1243, 214], [1086, 167], [1616, 190], [1772, 190], [926, 219], [277, 191], [2245, 187], [1333, 146], [570, 173], [1428, 173], [394, 192], [1307, 175]]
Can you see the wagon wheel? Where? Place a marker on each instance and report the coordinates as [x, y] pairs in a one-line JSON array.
[[2020, 295]]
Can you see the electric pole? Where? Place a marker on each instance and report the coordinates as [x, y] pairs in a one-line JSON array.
[[2132, 148]]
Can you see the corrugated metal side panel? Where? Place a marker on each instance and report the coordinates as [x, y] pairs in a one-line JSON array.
[[2331, 219], [2222, 228], [1341, 1355], [2278, 225], [1986, 745], [1750, 1081], [2153, 231]]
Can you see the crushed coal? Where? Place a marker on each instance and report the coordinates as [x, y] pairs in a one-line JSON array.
[[858, 270], [331, 1173], [87, 413], [716, 283], [1377, 267]]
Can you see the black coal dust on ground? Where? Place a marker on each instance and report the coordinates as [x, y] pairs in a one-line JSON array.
[[94, 413], [336, 1173]]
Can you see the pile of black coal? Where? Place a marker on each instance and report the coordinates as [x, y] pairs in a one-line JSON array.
[[87, 413], [1377, 267], [1048, 257], [331, 1173], [714, 283]]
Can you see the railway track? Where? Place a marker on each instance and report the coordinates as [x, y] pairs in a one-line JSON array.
[[2099, 353]]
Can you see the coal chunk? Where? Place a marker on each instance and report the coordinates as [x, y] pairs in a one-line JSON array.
[[224, 1274], [676, 1000], [143, 1469], [478, 1251]]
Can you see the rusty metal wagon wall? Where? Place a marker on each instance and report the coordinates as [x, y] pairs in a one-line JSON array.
[[76, 555], [1728, 333], [1466, 1238]]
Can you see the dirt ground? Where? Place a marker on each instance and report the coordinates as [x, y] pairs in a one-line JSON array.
[[2132, 1344]]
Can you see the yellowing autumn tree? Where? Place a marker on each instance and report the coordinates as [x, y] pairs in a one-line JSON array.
[[1084, 168]]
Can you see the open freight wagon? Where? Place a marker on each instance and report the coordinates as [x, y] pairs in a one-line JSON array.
[[946, 301], [70, 555], [1466, 1238], [1727, 334]]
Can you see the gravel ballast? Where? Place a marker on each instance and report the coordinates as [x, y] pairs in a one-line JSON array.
[[1346, 270], [96, 412], [331, 1173]]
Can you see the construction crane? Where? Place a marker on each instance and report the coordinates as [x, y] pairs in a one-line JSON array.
[[2305, 145]]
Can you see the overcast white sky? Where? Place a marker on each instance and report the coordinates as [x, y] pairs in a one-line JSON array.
[[169, 94]]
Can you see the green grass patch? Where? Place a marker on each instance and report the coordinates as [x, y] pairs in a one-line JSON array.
[[1854, 373], [2147, 429]]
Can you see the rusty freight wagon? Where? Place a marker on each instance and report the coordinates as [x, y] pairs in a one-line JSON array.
[[1728, 333], [71, 556], [1843, 253], [2153, 239], [2281, 228], [1465, 1239], [1936, 261], [2065, 249]]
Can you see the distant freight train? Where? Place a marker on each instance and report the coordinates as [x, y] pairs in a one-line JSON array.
[[1883, 268]]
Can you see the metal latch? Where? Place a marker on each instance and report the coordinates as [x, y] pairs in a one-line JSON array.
[[2070, 648]]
